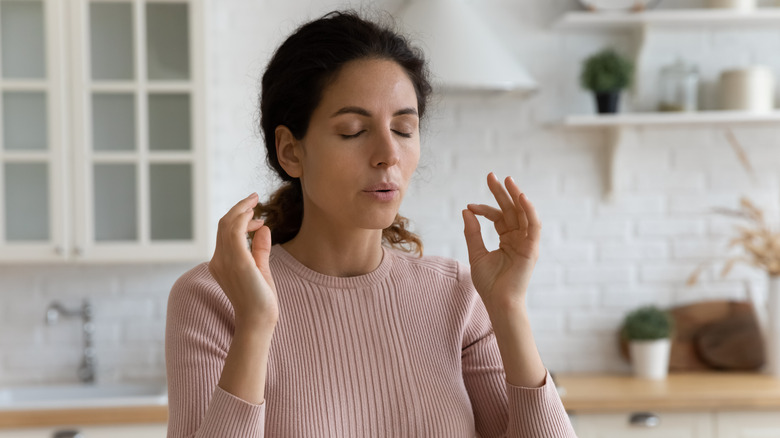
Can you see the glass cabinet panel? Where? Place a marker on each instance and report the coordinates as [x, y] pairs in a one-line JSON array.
[[169, 122], [113, 122], [25, 124], [170, 187], [167, 41], [115, 202], [26, 201], [111, 40], [22, 35]]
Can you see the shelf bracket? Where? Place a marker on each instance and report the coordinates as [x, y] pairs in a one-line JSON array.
[[620, 140]]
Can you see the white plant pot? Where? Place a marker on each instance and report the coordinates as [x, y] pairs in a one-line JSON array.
[[650, 359], [772, 327]]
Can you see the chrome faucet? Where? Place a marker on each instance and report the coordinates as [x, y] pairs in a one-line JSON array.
[[86, 370]]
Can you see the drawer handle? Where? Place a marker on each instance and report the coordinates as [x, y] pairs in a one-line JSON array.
[[67, 434], [644, 419]]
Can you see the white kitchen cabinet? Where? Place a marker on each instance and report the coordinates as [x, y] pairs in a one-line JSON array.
[[727, 424], [102, 143], [620, 425], [748, 424], [128, 431]]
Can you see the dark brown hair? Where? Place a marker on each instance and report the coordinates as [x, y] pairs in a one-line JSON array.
[[292, 87]]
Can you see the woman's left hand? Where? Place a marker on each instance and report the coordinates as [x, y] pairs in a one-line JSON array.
[[501, 277]]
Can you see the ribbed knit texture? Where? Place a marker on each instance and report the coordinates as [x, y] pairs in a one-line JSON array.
[[404, 351]]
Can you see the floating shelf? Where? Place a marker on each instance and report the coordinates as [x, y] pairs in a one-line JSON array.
[[669, 17], [671, 118], [622, 130]]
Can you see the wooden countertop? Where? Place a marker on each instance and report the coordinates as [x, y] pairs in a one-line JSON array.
[[84, 416], [701, 391]]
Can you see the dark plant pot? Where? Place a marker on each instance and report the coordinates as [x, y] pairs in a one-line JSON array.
[[607, 103]]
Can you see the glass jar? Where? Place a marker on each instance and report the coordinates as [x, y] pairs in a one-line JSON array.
[[679, 87]]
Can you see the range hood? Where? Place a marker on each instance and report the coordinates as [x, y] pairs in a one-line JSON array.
[[463, 53]]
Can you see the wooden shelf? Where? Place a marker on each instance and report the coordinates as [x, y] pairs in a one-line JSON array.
[[666, 119], [668, 17]]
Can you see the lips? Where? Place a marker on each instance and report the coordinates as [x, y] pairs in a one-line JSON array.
[[382, 187]]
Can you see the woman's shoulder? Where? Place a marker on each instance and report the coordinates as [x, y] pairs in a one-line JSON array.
[[444, 267], [198, 288]]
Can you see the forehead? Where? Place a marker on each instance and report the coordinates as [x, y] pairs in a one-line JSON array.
[[373, 84]]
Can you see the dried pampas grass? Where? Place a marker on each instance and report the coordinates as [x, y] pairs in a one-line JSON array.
[[760, 244]]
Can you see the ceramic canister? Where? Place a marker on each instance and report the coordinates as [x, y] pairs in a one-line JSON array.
[[747, 89]]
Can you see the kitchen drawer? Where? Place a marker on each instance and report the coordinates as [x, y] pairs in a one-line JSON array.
[[620, 425], [753, 424], [130, 431]]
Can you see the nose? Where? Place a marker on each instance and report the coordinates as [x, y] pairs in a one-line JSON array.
[[386, 152]]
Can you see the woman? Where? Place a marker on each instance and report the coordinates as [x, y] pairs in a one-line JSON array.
[[320, 330]]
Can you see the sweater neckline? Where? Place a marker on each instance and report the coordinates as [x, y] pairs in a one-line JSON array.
[[357, 281]]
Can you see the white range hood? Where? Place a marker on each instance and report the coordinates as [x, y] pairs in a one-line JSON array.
[[463, 53]]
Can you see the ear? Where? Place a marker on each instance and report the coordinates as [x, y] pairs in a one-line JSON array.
[[288, 151]]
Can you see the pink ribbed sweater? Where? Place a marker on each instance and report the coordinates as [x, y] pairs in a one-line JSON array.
[[404, 351]]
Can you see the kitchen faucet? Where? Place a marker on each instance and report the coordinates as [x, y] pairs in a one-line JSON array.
[[86, 370]]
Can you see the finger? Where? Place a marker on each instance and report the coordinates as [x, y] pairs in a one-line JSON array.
[[474, 243], [534, 223], [515, 192], [241, 206], [254, 225], [504, 201], [492, 214]]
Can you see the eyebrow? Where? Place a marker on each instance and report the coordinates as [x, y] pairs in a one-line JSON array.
[[363, 112]]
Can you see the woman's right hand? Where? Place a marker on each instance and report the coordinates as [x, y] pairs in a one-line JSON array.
[[244, 275]]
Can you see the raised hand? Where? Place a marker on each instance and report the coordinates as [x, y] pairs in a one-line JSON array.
[[244, 275], [501, 277]]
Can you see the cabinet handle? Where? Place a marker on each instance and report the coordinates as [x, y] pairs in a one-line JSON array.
[[78, 251], [59, 250], [67, 434], [644, 419]]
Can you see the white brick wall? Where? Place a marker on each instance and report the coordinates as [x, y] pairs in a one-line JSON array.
[[599, 259]]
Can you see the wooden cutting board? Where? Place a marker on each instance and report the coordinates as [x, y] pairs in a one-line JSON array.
[[721, 334]]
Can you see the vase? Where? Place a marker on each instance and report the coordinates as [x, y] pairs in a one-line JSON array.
[[650, 359], [772, 327]]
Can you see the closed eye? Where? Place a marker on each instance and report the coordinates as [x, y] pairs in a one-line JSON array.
[[355, 135], [403, 134]]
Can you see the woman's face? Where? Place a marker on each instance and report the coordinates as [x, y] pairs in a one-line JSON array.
[[362, 146]]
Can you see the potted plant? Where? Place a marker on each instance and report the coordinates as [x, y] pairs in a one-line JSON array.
[[606, 74], [648, 331]]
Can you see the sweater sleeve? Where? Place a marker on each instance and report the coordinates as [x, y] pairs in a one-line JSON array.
[[199, 328], [501, 409]]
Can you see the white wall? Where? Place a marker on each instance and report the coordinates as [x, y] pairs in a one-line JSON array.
[[599, 259]]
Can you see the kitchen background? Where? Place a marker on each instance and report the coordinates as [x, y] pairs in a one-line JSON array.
[[599, 260]]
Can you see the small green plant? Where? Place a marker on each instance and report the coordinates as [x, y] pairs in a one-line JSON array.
[[607, 71], [647, 323]]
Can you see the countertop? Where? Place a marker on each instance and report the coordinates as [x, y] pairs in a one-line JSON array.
[[700, 391], [84, 416], [580, 393]]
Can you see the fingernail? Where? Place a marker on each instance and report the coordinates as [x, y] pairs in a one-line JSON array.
[[252, 194]]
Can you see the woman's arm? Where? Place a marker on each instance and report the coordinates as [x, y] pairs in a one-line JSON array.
[[501, 277], [218, 338]]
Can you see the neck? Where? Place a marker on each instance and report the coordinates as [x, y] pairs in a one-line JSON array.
[[334, 251]]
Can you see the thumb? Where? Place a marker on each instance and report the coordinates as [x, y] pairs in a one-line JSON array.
[[261, 250], [474, 242]]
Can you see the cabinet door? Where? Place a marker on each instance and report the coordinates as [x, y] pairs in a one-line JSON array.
[[670, 425], [140, 158], [33, 165], [748, 424]]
